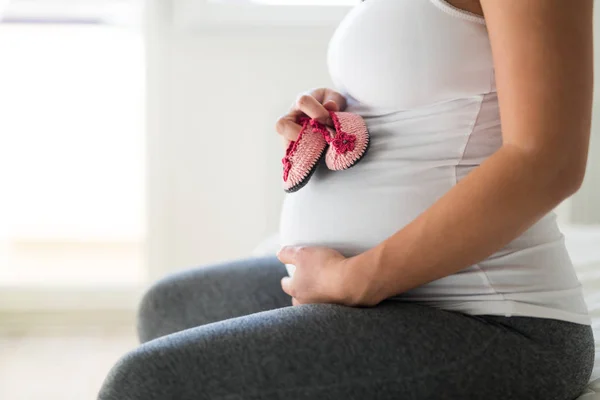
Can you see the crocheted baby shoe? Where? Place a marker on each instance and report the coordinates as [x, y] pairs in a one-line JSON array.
[[348, 143], [302, 157]]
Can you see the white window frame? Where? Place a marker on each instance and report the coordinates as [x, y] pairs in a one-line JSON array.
[[190, 14], [71, 11]]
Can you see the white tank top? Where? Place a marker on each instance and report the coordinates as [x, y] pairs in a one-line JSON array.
[[421, 74]]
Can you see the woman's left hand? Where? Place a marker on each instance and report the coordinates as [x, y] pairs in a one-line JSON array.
[[322, 275]]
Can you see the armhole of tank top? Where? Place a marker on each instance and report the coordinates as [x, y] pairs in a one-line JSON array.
[[457, 12]]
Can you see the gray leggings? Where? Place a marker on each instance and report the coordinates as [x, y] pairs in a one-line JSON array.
[[227, 332]]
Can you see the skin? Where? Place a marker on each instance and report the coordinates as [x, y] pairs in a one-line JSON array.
[[316, 104], [543, 59], [472, 6]]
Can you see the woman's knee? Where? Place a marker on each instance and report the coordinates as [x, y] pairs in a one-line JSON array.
[[132, 377], [158, 308], [178, 302], [210, 294]]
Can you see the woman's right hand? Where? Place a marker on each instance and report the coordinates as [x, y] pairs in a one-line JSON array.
[[315, 104]]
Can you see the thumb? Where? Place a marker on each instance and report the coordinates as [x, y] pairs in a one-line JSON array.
[[287, 255], [286, 285]]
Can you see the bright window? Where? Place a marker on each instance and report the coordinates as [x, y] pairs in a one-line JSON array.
[[71, 147]]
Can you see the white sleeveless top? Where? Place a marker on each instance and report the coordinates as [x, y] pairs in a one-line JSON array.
[[421, 74]]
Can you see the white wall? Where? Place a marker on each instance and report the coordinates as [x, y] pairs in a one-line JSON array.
[[214, 96], [213, 155]]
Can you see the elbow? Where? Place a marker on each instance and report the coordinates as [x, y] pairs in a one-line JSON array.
[[567, 187], [566, 179], [557, 171]]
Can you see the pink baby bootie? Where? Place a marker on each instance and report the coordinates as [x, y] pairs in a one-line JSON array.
[[348, 143]]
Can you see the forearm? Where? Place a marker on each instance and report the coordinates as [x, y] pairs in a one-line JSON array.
[[481, 214]]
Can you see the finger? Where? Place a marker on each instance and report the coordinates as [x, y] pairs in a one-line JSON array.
[[325, 95], [288, 255], [286, 285], [333, 96], [331, 105], [319, 94], [293, 113], [313, 108], [287, 128]]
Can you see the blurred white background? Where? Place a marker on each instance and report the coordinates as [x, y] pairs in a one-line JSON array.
[[136, 139]]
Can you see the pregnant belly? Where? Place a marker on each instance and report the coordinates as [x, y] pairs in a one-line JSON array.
[[354, 210], [415, 157]]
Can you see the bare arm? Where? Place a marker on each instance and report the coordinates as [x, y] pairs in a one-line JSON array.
[[543, 59]]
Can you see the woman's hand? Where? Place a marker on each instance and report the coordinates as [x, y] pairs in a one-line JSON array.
[[315, 104], [322, 275]]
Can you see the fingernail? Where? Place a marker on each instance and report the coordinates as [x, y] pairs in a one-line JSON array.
[[331, 105]]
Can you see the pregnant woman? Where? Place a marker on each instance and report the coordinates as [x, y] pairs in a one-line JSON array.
[[434, 268]]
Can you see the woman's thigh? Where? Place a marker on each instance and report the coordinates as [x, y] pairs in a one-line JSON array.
[[393, 351], [208, 294]]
